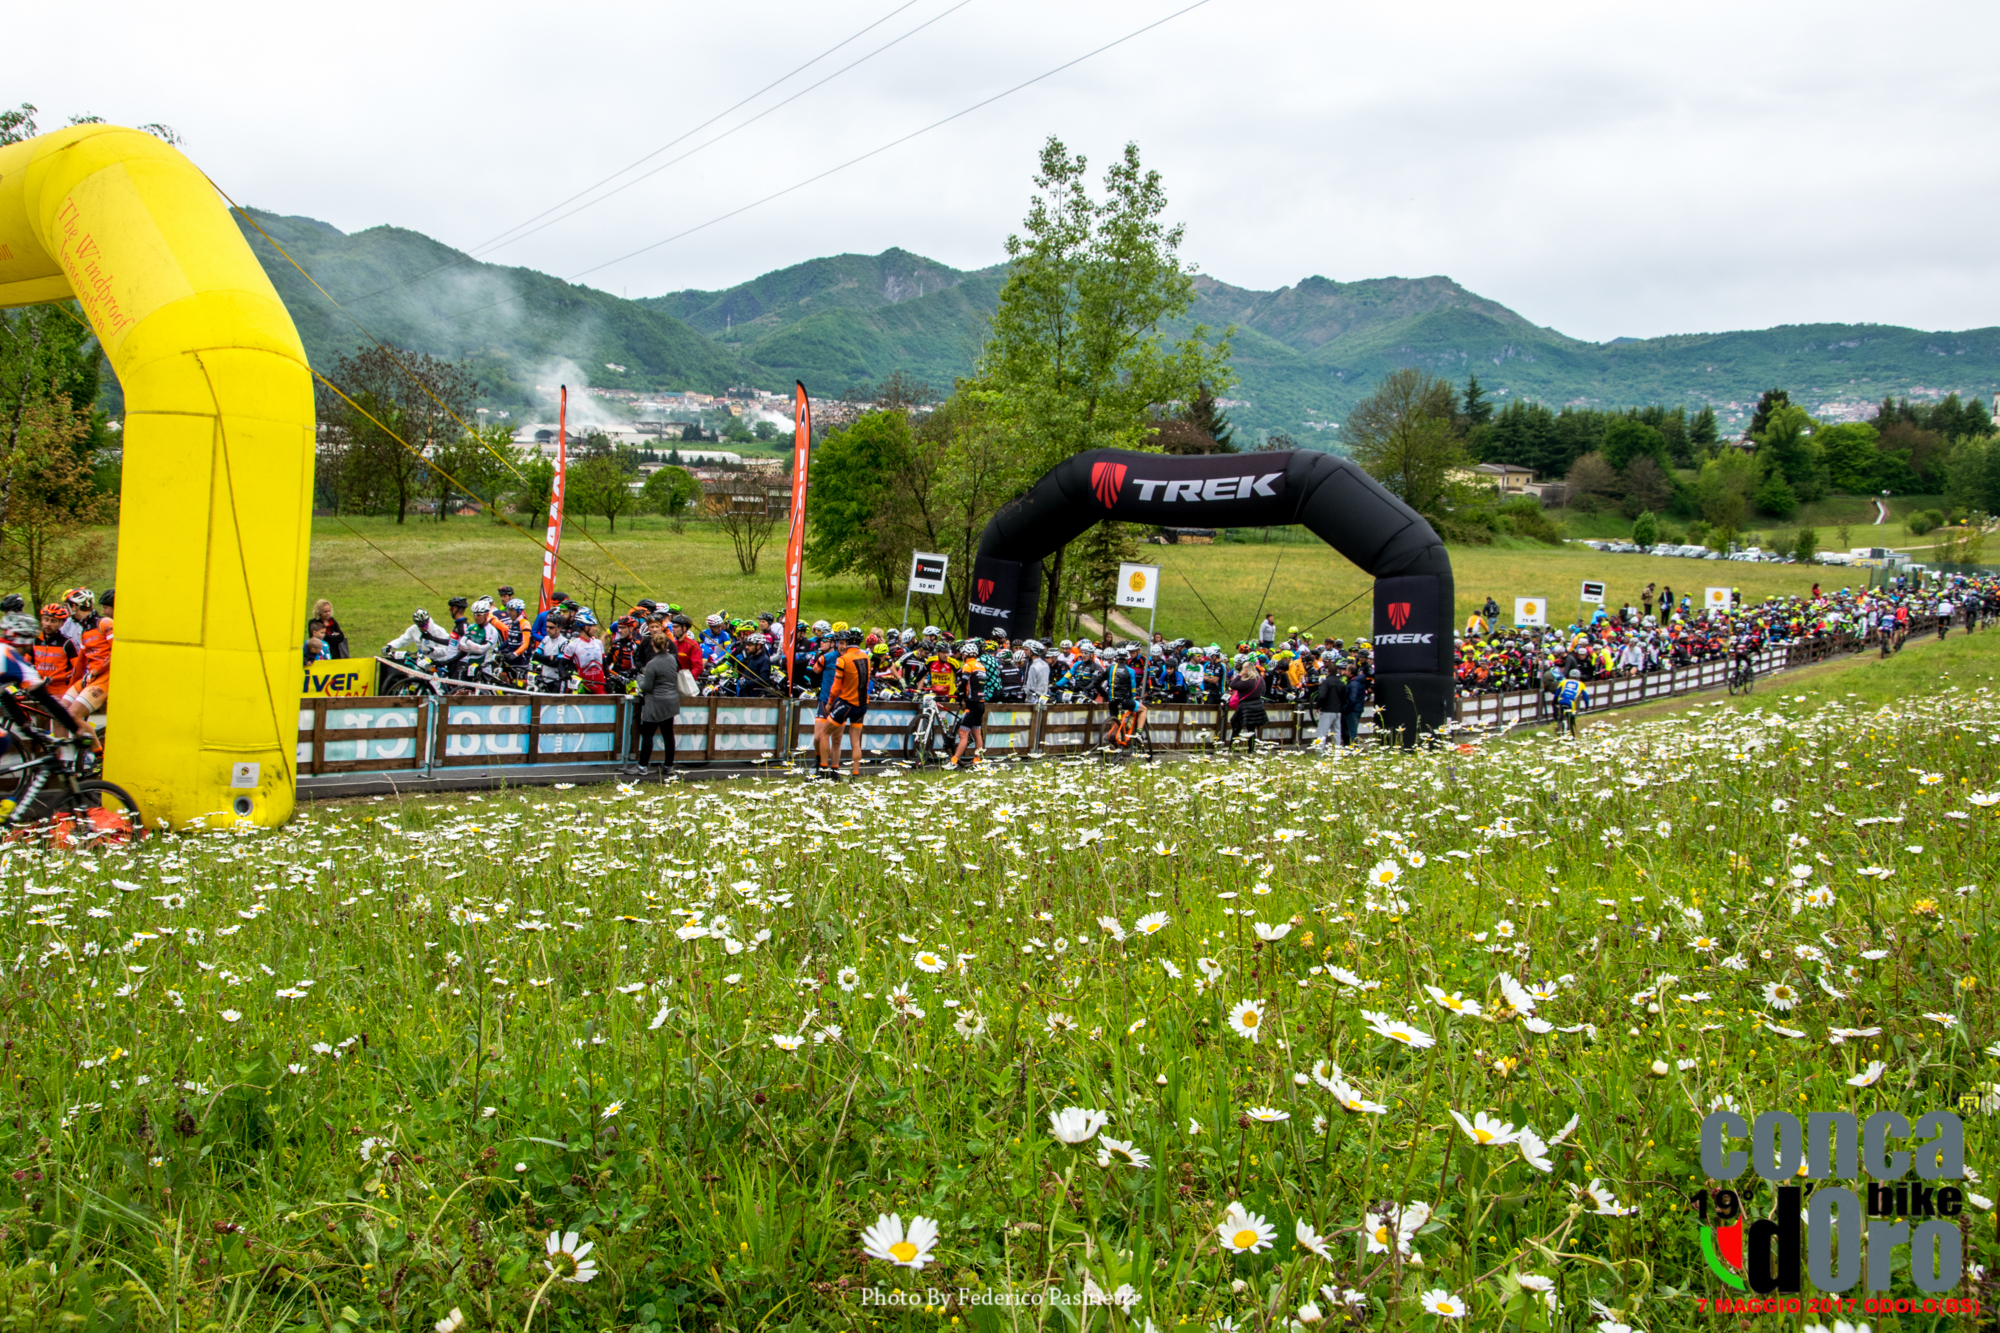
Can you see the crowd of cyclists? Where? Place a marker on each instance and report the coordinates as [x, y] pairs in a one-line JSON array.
[[496, 642], [1659, 634]]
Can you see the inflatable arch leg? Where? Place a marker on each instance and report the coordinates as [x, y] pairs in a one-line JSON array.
[[218, 458], [1341, 504]]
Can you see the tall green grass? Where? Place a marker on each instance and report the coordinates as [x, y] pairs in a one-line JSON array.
[[355, 1073]]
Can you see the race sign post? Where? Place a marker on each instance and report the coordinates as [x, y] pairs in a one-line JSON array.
[[926, 576], [1530, 611], [1591, 592], [1716, 599], [1139, 585]]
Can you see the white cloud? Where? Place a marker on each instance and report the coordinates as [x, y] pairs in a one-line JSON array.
[[1606, 169]]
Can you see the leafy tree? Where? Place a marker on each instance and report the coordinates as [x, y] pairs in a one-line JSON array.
[[47, 351], [406, 407], [1772, 400], [1702, 432], [1786, 450], [1590, 482], [853, 475], [1404, 436], [1646, 529], [736, 432], [1776, 497], [765, 431], [670, 490], [599, 486], [51, 502], [476, 467], [18, 124], [1078, 351], [1850, 452], [1966, 476], [537, 483], [1805, 547], [1626, 439], [1645, 484], [1723, 489]]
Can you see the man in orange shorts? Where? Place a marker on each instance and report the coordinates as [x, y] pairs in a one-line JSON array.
[[90, 689]]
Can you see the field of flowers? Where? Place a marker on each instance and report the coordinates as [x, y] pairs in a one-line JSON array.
[[1404, 1040]]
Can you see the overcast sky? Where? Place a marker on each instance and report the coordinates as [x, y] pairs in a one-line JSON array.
[[1605, 168]]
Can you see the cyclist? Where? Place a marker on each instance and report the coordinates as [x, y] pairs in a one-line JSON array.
[[586, 654], [1570, 696], [425, 638], [826, 657], [481, 640], [847, 703], [55, 654], [1128, 714], [17, 669], [1036, 681], [973, 684], [458, 617]]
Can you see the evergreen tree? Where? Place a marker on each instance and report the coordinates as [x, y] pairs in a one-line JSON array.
[[1477, 410], [1772, 400], [1211, 421], [1703, 432]]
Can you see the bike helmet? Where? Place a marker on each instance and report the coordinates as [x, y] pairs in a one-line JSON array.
[[586, 617], [1065, 646], [80, 598], [1157, 650], [822, 627], [516, 604], [504, 591], [11, 603], [1576, 675], [420, 616], [715, 620], [989, 645], [104, 599], [483, 604], [57, 610], [881, 650], [457, 603], [840, 627], [20, 628], [932, 631]]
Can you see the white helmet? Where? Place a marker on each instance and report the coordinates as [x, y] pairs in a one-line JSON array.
[[483, 604]]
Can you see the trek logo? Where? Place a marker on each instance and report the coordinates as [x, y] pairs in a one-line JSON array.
[[1833, 1218], [1105, 479], [986, 590], [1215, 488], [997, 612], [1403, 638], [1399, 614]]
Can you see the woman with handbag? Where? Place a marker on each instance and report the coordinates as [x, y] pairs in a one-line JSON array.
[[660, 693], [1246, 693]]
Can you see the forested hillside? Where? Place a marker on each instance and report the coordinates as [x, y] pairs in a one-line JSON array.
[[1304, 353]]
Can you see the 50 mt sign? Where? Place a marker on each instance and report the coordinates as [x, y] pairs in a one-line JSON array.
[[1831, 1219]]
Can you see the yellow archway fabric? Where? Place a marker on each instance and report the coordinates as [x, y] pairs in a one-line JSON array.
[[218, 458]]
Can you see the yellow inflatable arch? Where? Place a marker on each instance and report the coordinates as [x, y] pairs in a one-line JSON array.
[[218, 442]]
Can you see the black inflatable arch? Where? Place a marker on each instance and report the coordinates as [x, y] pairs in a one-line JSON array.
[[1341, 504]]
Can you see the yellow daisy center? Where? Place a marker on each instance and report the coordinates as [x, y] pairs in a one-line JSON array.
[[1244, 1239], [1381, 1235], [1483, 1136], [1444, 1307], [904, 1251]]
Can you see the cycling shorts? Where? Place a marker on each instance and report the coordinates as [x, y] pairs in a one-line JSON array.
[[845, 714], [93, 696]]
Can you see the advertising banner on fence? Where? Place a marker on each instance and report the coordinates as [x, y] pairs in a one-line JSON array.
[[348, 678]]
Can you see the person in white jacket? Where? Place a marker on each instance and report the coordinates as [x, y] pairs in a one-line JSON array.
[[426, 637]]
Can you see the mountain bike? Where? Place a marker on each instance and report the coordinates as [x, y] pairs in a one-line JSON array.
[[51, 788], [930, 739], [1742, 674], [1130, 736]]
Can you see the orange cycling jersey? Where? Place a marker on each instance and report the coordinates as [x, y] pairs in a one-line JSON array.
[[850, 676], [97, 651], [55, 662]]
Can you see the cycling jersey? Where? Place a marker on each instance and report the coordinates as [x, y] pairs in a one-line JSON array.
[[850, 677], [480, 641], [1571, 694], [1124, 688], [944, 679], [429, 639], [55, 657], [17, 670]]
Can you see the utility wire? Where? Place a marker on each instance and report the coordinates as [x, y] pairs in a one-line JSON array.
[[855, 161], [508, 237]]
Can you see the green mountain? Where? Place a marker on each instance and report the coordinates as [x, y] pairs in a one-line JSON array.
[[1304, 353], [514, 325]]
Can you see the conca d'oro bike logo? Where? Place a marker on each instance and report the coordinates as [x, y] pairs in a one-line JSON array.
[[1825, 1222]]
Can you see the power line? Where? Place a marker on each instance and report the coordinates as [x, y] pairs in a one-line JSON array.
[[855, 161], [507, 237]]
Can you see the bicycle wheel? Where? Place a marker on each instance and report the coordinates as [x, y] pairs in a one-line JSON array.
[[96, 811]]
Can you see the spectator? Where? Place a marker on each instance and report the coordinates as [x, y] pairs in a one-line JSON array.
[[316, 650], [1267, 633], [659, 687], [334, 638], [1247, 715]]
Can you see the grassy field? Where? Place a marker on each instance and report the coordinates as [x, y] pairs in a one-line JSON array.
[[352, 565], [364, 1072]]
